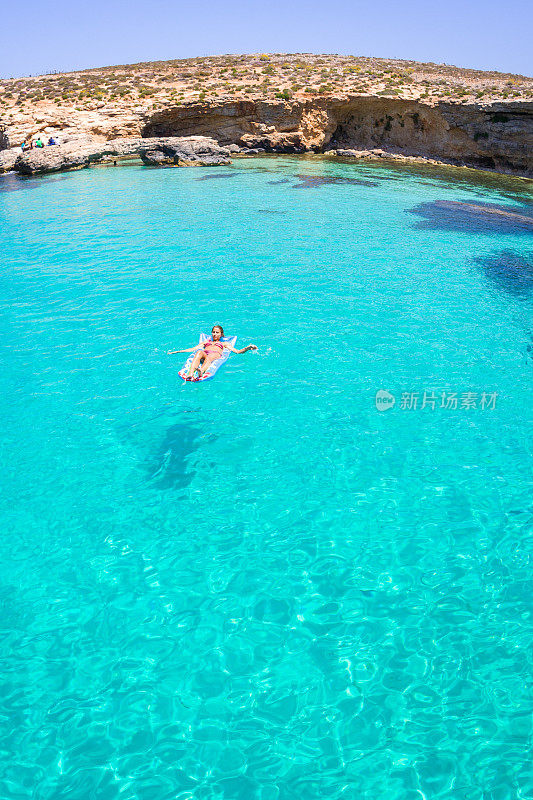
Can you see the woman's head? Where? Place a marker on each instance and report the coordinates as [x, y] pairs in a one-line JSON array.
[[217, 331]]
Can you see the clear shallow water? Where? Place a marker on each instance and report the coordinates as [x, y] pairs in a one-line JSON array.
[[262, 587]]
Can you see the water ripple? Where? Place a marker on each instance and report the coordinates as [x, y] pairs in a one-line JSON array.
[[263, 587]]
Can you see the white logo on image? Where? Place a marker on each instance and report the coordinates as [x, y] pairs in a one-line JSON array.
[[384, 400]]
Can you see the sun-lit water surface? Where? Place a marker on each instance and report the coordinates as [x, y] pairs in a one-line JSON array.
[[261, 587]]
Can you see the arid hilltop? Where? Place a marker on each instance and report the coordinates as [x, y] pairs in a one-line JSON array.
[[287, 103]]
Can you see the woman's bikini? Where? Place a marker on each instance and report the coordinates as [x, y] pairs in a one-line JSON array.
[[213, 348]]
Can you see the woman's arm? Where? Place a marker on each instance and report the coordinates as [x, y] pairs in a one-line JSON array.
[[189, 350], [242, 350]]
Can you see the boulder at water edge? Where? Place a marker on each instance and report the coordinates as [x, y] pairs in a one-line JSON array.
[[184, 151]]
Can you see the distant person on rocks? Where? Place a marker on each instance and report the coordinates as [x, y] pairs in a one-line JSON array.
[[39, 142], [27, 145], [51, 141]]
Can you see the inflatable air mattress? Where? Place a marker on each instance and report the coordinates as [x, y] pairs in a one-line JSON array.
[[215, 365]]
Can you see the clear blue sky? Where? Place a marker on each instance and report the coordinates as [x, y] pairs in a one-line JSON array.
[[482, 34]]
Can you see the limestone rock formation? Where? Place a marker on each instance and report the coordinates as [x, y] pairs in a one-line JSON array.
[[74, 155], [497, 135], [7, 159], [279, 102], [4, 138], [277, 126], [185, 151], [494, 136], [83, 152]]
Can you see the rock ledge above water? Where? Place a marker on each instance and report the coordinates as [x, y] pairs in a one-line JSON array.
[[176, 151], [184, 151]]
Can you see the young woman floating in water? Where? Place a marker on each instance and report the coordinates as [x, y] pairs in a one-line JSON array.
[[208, 352]]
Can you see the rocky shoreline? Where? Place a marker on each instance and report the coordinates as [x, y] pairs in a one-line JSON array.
[[176, 152], [164, 151], [496, 137]]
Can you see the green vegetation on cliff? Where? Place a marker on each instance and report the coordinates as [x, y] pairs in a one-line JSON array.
[[281, 76]]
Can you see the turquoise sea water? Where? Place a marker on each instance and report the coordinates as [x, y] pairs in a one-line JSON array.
[[262, 587]]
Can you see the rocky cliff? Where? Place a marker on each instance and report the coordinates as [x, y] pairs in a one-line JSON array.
[[161, 151], [281, 102], [495, 136]]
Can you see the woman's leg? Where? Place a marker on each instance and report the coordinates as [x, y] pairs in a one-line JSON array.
[[207, 363], [195, 363]]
